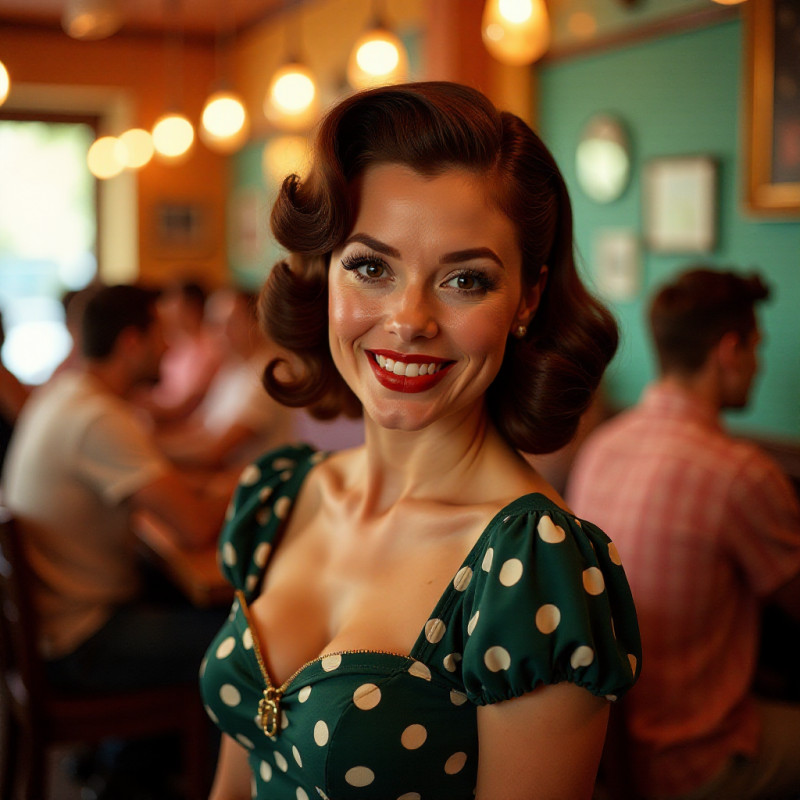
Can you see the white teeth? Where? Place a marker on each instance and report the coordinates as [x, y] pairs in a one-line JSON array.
[[407, 370]]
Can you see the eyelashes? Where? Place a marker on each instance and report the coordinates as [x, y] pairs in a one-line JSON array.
[[371, 268]]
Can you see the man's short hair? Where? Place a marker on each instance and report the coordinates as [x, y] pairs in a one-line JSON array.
[[690, 315], [110, 311]]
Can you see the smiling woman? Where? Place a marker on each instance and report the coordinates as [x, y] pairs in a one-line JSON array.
[[417, 614]]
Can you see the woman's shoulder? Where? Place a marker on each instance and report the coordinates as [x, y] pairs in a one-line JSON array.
[[265, 493], [547, 601]]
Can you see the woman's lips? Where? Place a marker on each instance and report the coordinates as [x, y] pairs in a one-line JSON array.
[[407, 373]]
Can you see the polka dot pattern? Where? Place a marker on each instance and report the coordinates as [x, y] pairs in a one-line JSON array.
[[367, 696], [365, 724], [359, 776]]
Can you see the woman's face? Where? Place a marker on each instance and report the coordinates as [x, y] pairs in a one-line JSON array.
[[423, 295]]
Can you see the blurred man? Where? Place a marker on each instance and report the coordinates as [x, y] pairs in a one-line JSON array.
[[79, 464], [708, 528]]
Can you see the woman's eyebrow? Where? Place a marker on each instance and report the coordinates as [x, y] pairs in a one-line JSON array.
[[472, 254], [373, 244]]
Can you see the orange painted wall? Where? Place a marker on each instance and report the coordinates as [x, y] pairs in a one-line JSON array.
[[138, 66]]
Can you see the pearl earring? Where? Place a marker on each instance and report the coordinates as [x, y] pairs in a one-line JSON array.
[[520, 331]]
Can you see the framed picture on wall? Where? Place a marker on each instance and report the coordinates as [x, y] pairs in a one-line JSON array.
[[180, 229], [772, 107], [680, 204]]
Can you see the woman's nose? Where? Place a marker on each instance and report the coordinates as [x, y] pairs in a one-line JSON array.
[[411, 315]]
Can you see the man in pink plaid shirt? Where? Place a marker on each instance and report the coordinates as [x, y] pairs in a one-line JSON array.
[[708, 529]]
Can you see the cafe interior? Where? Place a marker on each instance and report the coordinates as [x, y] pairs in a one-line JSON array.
[[676, 124]]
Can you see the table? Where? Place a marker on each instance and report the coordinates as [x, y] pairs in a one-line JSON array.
[[195, 572]]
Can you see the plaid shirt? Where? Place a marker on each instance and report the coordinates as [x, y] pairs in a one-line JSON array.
[[706, 526]]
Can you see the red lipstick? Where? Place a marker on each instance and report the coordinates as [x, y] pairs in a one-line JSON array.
[[412, 383]]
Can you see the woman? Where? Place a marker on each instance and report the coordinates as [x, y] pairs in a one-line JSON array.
[[420, 617]]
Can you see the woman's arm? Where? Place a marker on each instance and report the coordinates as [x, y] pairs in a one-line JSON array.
[[232, 781], [545, 744]]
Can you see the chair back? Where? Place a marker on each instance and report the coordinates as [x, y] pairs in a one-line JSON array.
[[20, 664]]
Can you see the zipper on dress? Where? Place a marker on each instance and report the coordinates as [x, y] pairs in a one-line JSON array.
[[269, 706]]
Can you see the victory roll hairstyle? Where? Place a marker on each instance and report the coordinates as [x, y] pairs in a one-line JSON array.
[[547, 378]]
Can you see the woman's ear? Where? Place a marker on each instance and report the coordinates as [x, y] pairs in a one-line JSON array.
[[531, 297]]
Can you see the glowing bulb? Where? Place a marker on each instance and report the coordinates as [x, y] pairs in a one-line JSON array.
[[224, 122], [516, 32], [378, 57], [291, 100], [173, 135], [516, 11], [139, 144], [107, 157], [5, 83], [729, 2]]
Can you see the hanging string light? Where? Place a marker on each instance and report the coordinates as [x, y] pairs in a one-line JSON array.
[[173, 133], [516, 32], [139, 147], [224, 123], [5, 83], [292, 99], [91, 19], [107, 157], [378, 56]]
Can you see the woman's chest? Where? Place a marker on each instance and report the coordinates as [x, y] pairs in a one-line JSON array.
[[351, 725], [328, 588]]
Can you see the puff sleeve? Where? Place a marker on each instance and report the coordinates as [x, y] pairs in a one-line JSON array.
[[266, 491], [548, 601]]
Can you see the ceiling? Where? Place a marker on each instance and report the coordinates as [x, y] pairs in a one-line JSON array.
[[200, 18]]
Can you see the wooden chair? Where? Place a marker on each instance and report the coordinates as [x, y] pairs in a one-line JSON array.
[[34, 716]]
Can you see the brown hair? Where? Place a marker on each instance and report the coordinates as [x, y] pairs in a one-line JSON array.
[[691, 314], [547, 379]]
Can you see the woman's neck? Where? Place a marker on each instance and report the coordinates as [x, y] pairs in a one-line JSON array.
[[454, 458]]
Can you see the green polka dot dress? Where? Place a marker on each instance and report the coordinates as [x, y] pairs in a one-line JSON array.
[[541, 598]]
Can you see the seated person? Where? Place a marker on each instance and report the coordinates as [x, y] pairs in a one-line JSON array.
[[13, 396], [80, 463], [709, 529], [193, 355], [237, 420]]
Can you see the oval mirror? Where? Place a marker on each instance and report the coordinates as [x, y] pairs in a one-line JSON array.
[[602, 159]]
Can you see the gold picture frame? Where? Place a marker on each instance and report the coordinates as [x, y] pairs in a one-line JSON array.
[[772, 122]]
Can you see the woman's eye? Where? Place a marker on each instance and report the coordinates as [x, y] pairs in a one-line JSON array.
[[365, 268], [372, 270], [472, 282]]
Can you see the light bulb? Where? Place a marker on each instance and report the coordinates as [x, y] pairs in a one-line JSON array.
[[173, 135], [5, 83], [378, 57], [729, 2], [224, 122], [139, 145], [516, 32], [107, 157], [291, 100]]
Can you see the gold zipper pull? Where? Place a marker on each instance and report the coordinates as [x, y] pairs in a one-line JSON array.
[[269, 710]]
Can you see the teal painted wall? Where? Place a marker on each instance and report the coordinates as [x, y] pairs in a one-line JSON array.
[[681, 95]]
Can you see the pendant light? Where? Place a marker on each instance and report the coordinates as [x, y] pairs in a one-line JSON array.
[[173, 133], [107, 157], [224, 123], [292, 99], [516, 32], [378, 56], [138, 146], [5, 83], [90, 20]]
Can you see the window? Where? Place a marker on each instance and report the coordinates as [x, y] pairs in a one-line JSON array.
[[48, 237]]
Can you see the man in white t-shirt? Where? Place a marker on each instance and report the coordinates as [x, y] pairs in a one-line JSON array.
[[79, 464]]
